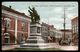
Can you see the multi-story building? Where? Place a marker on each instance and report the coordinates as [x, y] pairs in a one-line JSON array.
[[74, 22], [50, 34], [57, 34], [15, 26], [44, 31]]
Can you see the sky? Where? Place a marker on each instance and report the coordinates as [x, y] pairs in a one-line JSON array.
[[50, 12]]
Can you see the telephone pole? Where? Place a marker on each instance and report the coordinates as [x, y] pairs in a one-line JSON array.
[[64, 23]]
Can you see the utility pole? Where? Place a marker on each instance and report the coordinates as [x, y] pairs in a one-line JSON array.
[[48, 31], [64, 23], [63, 40]]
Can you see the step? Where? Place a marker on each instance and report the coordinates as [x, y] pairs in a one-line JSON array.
[[38, 39], [34, 45], [29, 45], [35, 37], [34, 41]]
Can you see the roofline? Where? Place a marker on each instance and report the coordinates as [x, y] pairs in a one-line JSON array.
[[14, 11], [75, 18]]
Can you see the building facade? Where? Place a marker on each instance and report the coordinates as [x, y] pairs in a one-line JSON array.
[[57, 34], [15, 26], [44, 31], [50, 34], [74, 23]]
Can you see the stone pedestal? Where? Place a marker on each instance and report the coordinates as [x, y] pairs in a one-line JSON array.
[[34, 40]]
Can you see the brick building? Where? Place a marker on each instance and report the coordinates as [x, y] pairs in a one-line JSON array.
[[50, 34], [74, 23], [15, 26]]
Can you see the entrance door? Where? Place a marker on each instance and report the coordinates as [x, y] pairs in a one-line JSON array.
[[7, 38]]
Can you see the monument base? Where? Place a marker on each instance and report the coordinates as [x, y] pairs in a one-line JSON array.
[[34, 40]]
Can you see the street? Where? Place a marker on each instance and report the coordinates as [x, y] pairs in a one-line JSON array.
[[55, 45]]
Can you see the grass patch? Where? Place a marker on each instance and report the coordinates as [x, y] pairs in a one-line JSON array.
[[34, 49]]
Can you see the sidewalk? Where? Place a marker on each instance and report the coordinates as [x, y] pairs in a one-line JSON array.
[[8, 47]]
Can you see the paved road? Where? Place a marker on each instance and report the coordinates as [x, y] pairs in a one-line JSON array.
[[54, 45]]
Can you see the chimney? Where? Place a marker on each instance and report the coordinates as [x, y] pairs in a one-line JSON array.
[[10, 6]]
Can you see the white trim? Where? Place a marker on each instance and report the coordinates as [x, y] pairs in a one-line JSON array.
[[21, 32], [12, 30], [9, 30], [10, 14], [15, 30], [7, 37], [7, 19], [6, 33]]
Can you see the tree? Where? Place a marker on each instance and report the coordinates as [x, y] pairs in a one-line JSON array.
[[34, 15]]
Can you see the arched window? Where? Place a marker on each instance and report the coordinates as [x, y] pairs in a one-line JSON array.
[[7, 22]]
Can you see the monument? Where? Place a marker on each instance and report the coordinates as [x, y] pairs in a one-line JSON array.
[[34, 40]]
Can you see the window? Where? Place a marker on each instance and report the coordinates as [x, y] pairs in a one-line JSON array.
[[23, 25], [7, 22]]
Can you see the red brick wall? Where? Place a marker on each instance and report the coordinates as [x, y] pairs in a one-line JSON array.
[[12, 37], [19, 25], [20, 31], [26, 27], [19, 36], [11, 30], [12, 33], [12, 27]]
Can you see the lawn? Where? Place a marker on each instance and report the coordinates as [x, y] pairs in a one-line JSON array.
[[34, 49]]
